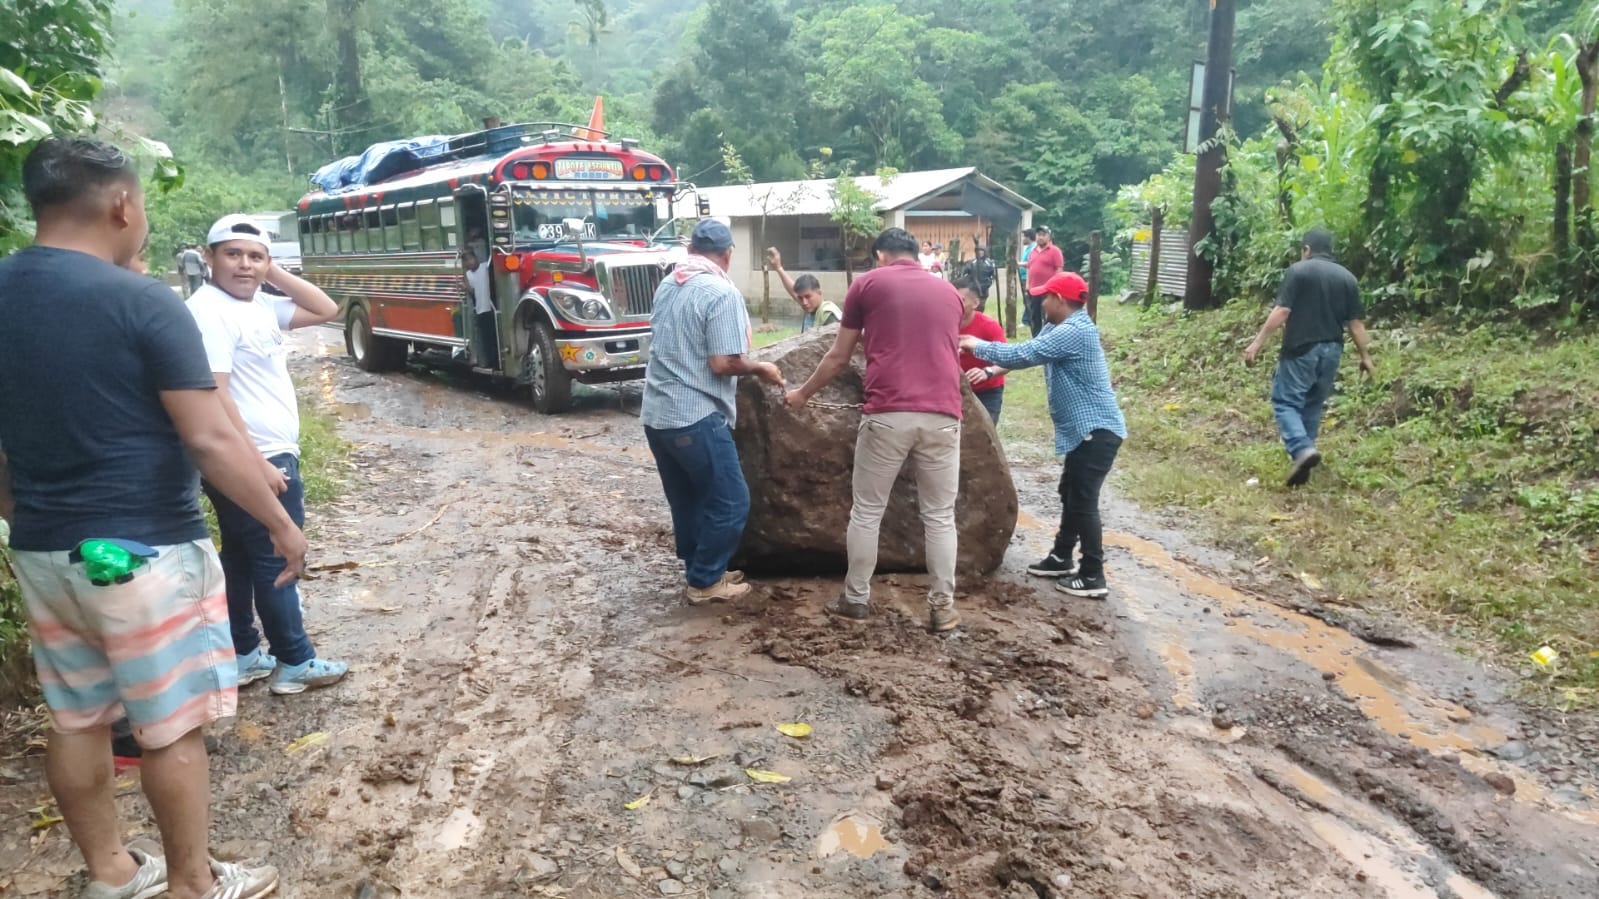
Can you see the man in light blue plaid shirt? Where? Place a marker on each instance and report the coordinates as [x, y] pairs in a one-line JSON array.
[[1089, 427], [699, 347]]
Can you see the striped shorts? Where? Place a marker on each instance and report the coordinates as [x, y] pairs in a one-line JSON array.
[[156, 648]]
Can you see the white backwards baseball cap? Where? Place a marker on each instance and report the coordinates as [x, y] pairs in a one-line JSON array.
[[237, 226]]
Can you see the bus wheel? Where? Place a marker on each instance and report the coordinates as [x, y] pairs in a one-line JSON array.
[[551, 384], [370, 352]]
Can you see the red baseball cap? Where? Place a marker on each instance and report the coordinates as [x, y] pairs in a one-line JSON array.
[[1069, 286]]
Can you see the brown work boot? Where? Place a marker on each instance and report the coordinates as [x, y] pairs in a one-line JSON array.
[[848, 610], [942, 617], [721, 591]]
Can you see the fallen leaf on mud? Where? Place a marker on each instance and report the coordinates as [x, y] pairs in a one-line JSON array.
[[41, 819], [639, 803], [767, 777], [796, 730], [692, 760], [310, 739], [336, 566], [629, 866], [388, 608], [1309, 580]]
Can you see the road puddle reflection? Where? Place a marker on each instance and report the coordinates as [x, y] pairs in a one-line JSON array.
[[857, 835]]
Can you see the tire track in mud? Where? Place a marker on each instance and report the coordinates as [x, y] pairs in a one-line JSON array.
[[525, 670]]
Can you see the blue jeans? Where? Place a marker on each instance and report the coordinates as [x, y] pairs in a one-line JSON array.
[[250, 565], [1033, 312], [705, 487], [1299, 392], [993, 400]]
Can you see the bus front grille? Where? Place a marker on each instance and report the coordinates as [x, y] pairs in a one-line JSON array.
[[633, 289]]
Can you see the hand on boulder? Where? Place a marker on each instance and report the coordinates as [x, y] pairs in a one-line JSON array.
[[769, 373], [796, 399], [975, 376]]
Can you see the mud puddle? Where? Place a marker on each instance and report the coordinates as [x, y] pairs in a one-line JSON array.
[[534, 713]]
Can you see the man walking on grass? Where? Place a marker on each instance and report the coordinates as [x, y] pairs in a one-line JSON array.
[[1319, 299], [106, 409], [242, 329], [699, 347], [1089, 428], [911, 321]]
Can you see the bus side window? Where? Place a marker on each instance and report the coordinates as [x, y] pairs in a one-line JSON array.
[[427, 216], [326, 240], [373, 232], [391, 229], [447, 222], [346, 224], [409, 231]]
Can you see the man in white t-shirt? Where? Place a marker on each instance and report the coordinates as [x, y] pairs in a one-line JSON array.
[[486, 330], [242, 329]]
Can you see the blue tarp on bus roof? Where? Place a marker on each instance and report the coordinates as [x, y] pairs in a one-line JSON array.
[[380, 161]]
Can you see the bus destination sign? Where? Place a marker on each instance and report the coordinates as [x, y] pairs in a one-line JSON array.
[[588, 169]]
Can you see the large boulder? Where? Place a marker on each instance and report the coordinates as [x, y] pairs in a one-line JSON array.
[[799, 467]]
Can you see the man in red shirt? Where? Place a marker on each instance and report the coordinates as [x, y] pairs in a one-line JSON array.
[[988, 381], [1043, 263], [911, 321]]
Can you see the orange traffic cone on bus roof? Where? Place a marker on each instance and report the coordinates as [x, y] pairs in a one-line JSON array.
[[596, 126]]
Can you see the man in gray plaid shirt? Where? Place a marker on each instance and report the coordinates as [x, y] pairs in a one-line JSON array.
[[699, 347]]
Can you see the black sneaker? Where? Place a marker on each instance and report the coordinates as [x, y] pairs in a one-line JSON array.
[[1053, 566], [852, 611], [1086, 586], [1299, 475]]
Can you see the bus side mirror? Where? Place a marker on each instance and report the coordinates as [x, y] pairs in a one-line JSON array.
[[574, 228]]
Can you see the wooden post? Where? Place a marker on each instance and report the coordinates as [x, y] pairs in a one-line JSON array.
[[1207, 168], [1157, 221], [1012, 282], [1562, 227], [1094, 241]]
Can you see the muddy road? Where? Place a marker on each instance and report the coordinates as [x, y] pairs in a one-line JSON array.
[[534, 712]]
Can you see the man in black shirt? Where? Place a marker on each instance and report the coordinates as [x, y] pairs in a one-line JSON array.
[[982, 271], [1318, 299]]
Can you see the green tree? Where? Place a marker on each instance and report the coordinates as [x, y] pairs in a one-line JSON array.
[[867, 79]]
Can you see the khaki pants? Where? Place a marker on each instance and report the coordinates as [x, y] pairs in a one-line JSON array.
[[933, 444]]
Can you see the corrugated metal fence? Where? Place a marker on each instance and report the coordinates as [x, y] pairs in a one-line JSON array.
[[1173, 263]]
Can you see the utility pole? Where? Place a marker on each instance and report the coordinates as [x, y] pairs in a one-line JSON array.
[[1217, 100]]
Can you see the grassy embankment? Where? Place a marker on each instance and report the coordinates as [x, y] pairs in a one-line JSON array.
[[1461, 487], [322, 453]]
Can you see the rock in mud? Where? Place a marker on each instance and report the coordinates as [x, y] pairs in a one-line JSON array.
[[1500, 782], [799, 467]]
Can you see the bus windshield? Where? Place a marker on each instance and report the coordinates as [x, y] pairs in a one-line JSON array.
[[539, 214]]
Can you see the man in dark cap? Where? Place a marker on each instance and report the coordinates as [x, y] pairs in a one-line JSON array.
[[699, 346], [1319, 298]]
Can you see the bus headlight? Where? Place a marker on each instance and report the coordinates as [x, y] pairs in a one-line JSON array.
[[582, 306]]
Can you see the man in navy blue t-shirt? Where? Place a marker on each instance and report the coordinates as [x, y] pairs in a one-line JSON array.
[[107, 406]]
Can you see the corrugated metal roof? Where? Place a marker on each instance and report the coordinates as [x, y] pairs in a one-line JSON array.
[[816, 197]]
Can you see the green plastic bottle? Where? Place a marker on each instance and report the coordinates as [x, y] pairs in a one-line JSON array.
[[107, 563]]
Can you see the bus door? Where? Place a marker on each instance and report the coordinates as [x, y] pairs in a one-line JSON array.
[[473, 233]]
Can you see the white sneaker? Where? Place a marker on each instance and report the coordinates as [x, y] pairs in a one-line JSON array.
[[148, 882]]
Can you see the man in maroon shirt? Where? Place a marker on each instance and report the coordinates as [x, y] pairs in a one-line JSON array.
[[911, 322], [1043, 263]]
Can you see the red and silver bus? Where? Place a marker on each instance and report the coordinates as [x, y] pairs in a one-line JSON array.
[[564, 217]]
